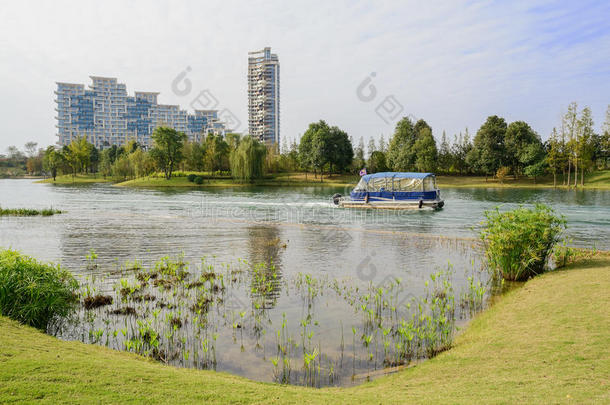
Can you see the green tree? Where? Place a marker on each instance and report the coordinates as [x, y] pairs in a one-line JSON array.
[[94, 159], [167, 149], [293, 155], [359, 162], [272, 158], [459, 151], [555, 157], [519, 135], [425, 151], [248, 159], [216, 156], [445, 157], [52, 161], [377, 162], [106, 160], [312, 146], [339, 150], [194, 154], [585, 142], [532, 159], [371, 146], [400, 154], [122, 168], [141, 163], [420, 126], [569, 130], [79, 154], [487, 154], [604, 141], [383, 147]]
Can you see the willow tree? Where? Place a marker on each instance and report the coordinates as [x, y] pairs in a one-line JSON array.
[[248, 159]]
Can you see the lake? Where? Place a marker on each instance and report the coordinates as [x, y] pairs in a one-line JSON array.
[[284, 269]]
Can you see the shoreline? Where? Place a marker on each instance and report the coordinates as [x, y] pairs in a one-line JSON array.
[[545, 330], [598, 181]]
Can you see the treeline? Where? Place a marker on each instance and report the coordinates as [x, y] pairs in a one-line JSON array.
[[322, 149], [498, 149], [171, 151], [18, 163]]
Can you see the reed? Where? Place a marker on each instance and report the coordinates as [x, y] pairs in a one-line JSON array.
[[518, 243], [27, 212]]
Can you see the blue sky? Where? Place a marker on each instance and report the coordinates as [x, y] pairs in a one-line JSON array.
[[452, 63]]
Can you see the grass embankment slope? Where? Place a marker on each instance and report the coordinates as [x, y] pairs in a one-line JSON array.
[[545, 342], [77, 179], [596, 180], [280, 180]]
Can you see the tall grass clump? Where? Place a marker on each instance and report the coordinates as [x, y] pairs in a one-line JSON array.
[[34, 293], [27, 212], [518, 243]]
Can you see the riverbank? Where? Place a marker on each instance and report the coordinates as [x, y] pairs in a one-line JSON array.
[[597, 180], [543, 342], [276, 180], [77, 179]]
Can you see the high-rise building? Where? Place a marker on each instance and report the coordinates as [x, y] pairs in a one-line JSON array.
[[107, 115], [264, 95]]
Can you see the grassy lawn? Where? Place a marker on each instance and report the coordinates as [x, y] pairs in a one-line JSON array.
[[280, 179], [596, 180], [78, 179], [545, 342]]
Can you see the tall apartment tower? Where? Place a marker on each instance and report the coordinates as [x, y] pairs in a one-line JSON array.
[[264, 96]]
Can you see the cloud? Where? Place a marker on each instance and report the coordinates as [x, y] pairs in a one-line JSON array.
[[452, 63]]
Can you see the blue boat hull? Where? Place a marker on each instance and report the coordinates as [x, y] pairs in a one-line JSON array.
[[400, 196]]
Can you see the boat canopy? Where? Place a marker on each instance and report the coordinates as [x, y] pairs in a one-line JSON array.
[[397, 181]]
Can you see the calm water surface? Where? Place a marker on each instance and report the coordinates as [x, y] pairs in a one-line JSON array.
[[298, 230]]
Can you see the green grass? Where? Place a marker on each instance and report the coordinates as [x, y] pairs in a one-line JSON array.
[[596, 180], [78, 179], [546, 342], [280, 179], [28, 212], [32, 292]]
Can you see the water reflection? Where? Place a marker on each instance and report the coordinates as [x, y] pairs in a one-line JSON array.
[[265, 246]]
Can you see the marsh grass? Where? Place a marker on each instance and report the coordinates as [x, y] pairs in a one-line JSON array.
[[27, 212], [518, 243], [34, 293], [187, 315]]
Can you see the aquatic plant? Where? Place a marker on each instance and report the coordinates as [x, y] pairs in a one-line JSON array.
[[182, 315], [34, 293], [91, 260], [27, 212], [518, 243]]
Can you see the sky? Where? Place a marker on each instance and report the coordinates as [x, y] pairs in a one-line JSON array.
[[360, 65]]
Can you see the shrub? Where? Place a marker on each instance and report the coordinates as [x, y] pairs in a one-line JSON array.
[[199, 180], [191, 177], [502, 173], [34, 293], [518, 242]]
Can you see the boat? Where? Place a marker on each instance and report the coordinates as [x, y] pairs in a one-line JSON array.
[[393, 190]]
